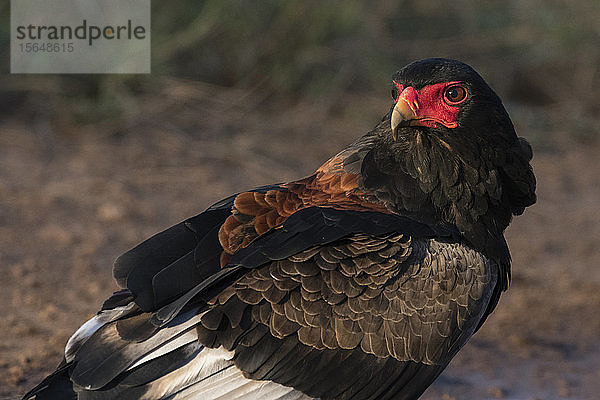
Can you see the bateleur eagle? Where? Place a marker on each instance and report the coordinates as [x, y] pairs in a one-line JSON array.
[[361, 281]]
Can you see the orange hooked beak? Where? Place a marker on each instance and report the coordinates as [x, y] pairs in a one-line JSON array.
[[404, 112]]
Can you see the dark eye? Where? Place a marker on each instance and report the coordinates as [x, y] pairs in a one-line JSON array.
[[455, 94]]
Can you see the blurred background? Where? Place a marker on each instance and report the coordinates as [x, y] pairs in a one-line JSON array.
[[246, 93]]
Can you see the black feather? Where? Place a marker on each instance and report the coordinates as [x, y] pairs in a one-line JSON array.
[[105, 354], [56, 386], [315, 226]]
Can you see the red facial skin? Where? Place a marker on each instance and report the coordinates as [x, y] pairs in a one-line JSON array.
[[429, 104]]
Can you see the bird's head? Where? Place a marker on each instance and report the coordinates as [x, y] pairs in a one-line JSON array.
[[446, 96], [444, 105], [446, 152]]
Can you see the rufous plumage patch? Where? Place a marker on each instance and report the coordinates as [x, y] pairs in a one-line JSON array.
[[255, 213]]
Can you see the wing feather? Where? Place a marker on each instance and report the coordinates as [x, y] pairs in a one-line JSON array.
[[303, 308], [105, 354]]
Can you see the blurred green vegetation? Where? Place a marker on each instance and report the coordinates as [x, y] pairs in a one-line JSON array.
[[542, 56]]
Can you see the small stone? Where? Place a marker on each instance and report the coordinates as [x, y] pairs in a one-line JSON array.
[[496, 392], [110, 212]]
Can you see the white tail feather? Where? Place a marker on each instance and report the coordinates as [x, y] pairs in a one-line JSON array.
[[211, 375]]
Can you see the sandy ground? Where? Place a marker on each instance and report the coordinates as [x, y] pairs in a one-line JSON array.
[[72, 200]]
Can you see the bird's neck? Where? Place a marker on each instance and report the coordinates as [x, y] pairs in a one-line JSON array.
[[425, 178]]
